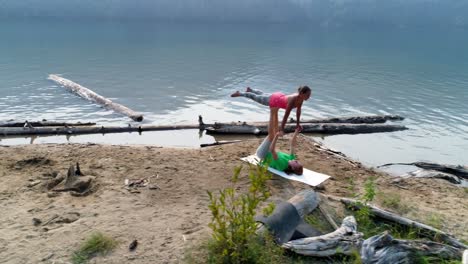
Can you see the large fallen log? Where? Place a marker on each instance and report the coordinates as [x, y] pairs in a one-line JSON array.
[[345, 240], [353, 119], [242, 129], [43, 123], [389, 216], [373, 119], [383, 249], [458, 170], [15, 131], [287, 216], [325, 128], [432, 174], [92, 96]]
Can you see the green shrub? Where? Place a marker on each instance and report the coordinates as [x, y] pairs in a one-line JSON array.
[[234, 238], [363, 214], [97, 243]]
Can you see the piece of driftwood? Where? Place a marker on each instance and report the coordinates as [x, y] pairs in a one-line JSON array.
[[319, 128], [328, 217], [92, 96], [304, 202], [354, 119], [458, 170], [389, 216], [344, 240], [75, 182], [337, 154], [20, 131], [217, 143], [373, 119], [43, 124], [432, 174], [383, 249]]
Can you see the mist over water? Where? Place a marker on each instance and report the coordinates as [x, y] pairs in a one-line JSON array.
[[325, 13]]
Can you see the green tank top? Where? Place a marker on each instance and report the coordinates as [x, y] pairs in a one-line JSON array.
[[281, 163]]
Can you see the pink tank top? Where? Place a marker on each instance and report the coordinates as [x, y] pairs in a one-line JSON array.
[[278, 100]]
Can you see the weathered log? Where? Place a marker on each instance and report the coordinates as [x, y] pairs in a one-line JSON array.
[[75, 182], [43, 124], [328, 217], [15, 131], [325, 128], [304, 203], [217, 143], [446, 237], [432, 174], [349, 120], [353, 119], [344, 240], [92, 96], [458, 170], [383, 249]]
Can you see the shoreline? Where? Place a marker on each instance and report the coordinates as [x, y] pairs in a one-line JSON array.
[[166, 221]]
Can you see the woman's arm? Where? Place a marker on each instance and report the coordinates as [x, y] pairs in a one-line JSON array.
[[294, 140], [298, 115], [290, 106]]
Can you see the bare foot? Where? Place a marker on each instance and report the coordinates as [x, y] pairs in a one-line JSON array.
[[236, 94], [248, 90]]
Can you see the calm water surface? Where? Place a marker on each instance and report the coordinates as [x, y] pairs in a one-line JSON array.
[[173, 73]]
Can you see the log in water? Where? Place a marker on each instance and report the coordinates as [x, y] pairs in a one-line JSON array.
[[92, 96]]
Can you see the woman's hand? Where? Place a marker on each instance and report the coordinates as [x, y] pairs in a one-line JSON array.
[[298, 128]]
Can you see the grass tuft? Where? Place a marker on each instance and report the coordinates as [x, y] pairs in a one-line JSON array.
[[393, 201], [96, 244]]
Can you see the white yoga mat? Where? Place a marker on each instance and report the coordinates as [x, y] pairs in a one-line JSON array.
[[308, 177]]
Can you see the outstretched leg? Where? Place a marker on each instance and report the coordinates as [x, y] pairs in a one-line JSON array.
[[250, 90], [264, 148], [263, 99]]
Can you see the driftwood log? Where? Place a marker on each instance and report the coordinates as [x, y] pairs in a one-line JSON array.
[[354, 119], [383, 249], [372, 119], [211, 128], [92, 96], [217, 143], [43, 123], [15, 131], [304, 203], [389, 216], [433, 174], [344, 240], [458, 170], [319, 128]]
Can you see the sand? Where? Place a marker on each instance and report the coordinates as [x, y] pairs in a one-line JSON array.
[[172, 216]]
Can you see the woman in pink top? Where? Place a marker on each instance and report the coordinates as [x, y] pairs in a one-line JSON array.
[[278, 101]]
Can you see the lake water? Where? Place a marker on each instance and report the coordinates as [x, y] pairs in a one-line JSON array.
[[174, 72]]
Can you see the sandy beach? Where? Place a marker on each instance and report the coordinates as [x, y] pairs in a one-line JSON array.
[[173, 215]]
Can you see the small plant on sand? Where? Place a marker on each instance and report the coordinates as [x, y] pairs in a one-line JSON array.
[[435, 220], [364, 214], [393, 201], [318, 221], [352, 187], [96, 244], [233, 223]]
